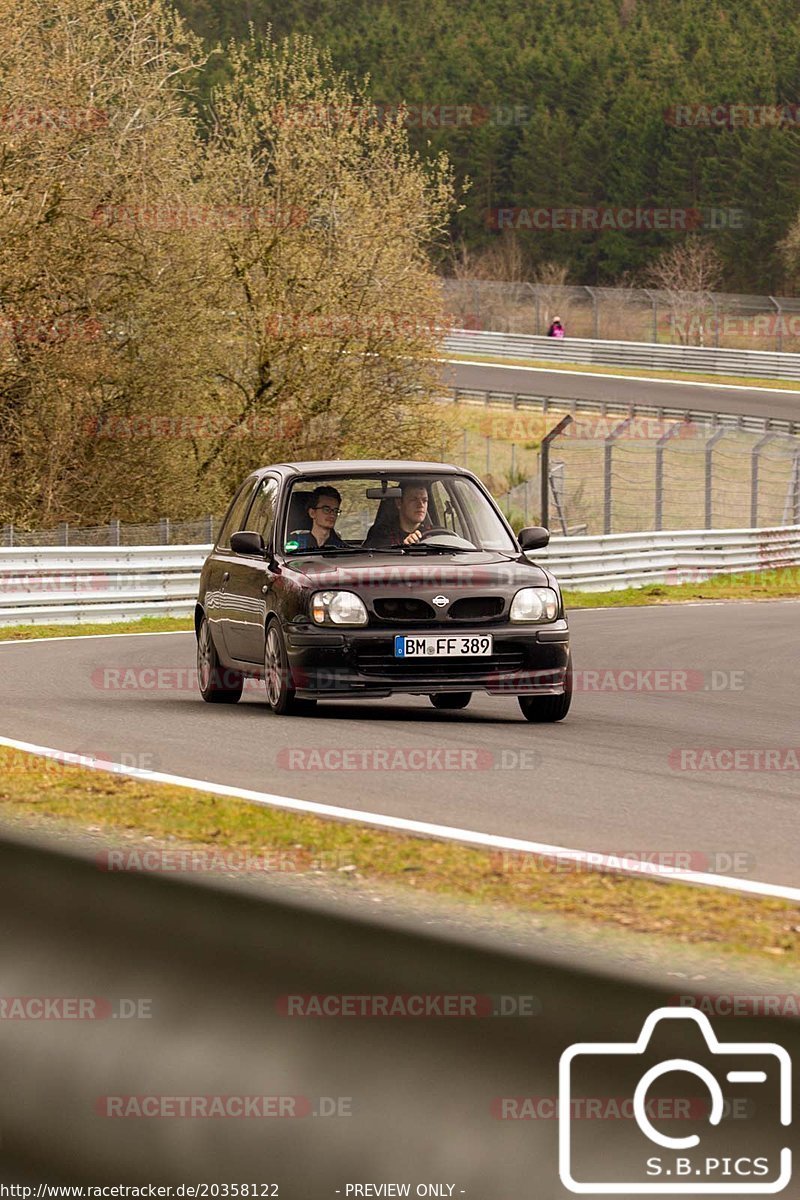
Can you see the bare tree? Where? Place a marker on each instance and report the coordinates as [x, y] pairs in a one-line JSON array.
[[687, 275]]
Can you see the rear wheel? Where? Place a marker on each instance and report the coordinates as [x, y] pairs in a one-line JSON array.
[[451, 699], [281, 695], [540, 709], [218, 684]]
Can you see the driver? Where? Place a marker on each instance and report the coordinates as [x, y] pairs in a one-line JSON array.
[[407, 522]]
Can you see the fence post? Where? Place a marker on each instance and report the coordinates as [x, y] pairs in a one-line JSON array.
[[210, 528], [660, 444], [595, 315], [488, 454], [709, 481], [779, 326], [63, 534], [8, 535], [754, 459], [113, 533], [163, 531], [544, 469], [607, 449]]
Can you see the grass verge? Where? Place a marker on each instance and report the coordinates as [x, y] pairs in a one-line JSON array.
[[161, 815], [784, 385], [20, 633], [783, 583]]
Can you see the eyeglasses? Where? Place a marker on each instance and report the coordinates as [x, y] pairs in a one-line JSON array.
[[327, 509]]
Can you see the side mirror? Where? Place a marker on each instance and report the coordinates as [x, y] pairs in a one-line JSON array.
[[246, 542], [534, 537]]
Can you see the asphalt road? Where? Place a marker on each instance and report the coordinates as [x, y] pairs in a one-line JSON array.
[[756, 401], [610, 778]]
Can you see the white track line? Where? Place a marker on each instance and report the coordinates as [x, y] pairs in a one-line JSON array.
[[423, 828], [555, 369], [83, 637]]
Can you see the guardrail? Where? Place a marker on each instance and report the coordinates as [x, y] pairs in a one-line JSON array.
[[762, 364], [54, 584], [748, 422], [420, 1100], [92, 583], [619, 560]]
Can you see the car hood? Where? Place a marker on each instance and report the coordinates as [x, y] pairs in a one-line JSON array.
[[469, 571]]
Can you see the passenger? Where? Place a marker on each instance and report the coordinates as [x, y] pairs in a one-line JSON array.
[[324, 507], [406, 520]]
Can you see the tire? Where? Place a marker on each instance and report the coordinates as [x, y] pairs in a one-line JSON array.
[[541, 709], [218, 684], [281, 696], [451, 699]]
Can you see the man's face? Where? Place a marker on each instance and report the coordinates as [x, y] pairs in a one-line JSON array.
[[413, 505], [326, 512]]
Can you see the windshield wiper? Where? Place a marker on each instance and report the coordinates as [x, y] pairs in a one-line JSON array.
[[433, 548], [324, 550]]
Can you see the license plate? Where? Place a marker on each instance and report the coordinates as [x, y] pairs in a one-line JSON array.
[[444, 646]]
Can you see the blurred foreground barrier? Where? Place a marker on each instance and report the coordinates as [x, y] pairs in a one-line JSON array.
[[192, 999]]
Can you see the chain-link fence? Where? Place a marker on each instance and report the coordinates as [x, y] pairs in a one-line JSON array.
[[628, 314], [615, 474], [116, 533], [605, 473]]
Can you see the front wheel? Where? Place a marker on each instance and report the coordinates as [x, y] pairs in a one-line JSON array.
[[540, 709], [281, 695], [451, 699], [218, 685]]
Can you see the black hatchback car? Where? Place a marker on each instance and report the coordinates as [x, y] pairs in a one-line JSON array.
[[343, 579]]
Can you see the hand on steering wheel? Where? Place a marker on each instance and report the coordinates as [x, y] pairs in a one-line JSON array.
[[420, 534]]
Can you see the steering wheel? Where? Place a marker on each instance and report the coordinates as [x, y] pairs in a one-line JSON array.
[[436, 529]]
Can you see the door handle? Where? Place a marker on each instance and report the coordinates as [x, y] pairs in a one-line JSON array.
[[226, 577]]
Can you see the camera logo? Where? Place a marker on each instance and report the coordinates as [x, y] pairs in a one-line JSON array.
[[718, 1162]]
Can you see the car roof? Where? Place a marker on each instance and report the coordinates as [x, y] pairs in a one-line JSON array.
[[377, 466]]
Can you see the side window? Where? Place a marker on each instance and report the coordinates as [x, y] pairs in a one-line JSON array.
[[261, 516], [232, 523]]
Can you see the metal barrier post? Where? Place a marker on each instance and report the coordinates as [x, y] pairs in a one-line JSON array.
[[607, 449], [113, 532], [709, 480], [660, 444], [544, 469], [779, 326], [754, 458]]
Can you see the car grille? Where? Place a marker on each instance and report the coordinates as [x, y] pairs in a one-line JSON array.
[[378, 658], [405, 609], [476, 608]]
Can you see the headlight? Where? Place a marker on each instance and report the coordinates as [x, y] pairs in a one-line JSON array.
[[338, 608], [534, 604]]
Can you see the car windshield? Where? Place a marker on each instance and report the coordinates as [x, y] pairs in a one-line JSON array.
[[399, 513]]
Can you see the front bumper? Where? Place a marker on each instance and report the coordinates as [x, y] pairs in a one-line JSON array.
[[526, 661]]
